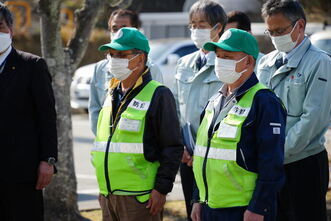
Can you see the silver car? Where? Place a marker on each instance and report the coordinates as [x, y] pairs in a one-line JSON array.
[[322, 40]]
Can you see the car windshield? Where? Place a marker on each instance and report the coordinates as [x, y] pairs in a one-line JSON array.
[[324, 44], [157, 49]]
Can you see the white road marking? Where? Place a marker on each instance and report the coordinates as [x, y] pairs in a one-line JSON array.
[[88, 191], [85, 176]]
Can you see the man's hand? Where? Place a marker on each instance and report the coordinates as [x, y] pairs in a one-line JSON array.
[[156, 202], [187, 158], [45, 173], [250, 216], [196, 212]]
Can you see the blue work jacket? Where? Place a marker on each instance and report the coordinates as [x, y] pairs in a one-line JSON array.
[[261, 148]]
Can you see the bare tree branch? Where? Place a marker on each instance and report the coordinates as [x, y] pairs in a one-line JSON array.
[[85, 18], [124, 4]]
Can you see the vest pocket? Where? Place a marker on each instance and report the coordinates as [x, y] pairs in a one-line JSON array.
[[227, 131], [130, 123]]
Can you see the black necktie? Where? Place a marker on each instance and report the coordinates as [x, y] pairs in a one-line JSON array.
[[280, 62], [201, 62]]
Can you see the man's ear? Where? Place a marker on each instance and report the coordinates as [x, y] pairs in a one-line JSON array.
[[250, 61], [11, 32], [144, 58], [219, 28], [302, 23]]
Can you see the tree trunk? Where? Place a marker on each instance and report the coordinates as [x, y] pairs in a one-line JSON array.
[[60, 196]]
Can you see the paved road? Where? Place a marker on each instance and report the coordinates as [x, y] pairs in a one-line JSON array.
[[87, 186]]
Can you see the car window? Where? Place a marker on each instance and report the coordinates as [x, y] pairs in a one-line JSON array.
[[188, 49], [182, 51], [324, 44]]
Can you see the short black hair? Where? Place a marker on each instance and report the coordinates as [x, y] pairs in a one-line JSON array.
[[6, 15], [213, 12], [133, 16], [291, 9], [243, 21]]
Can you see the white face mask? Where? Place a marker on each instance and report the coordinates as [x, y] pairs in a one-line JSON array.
[[119, 67], [225, 70], [5, 41], [284, 43], [201, 36]]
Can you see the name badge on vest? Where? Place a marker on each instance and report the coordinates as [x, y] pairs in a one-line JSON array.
[[129, 125], [227, 131], [139, 105], [239, 111]]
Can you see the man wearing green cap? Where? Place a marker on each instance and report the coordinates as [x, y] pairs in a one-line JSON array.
[[138, 147], [239, 149]]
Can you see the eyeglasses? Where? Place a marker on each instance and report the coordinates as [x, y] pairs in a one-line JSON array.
[[280, 31], [194, 26]]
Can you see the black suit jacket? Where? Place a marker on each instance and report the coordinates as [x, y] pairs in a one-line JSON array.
[[27, 117]]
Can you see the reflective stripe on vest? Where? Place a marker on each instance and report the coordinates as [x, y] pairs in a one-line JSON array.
[[119, 147], [129, 172], [216, 153], [221, 181]]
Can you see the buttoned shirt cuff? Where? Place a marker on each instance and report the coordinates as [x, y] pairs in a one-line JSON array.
[[259, 208]]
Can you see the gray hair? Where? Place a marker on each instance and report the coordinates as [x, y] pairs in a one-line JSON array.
[[291, 9], [213, 12], [6, 15]]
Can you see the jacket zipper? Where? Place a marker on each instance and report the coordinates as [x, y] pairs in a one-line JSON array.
[[111, 131], [204, 165], [204, 168], [106, 165]]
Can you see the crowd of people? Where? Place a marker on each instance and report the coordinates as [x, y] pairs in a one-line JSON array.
[[245, 130]]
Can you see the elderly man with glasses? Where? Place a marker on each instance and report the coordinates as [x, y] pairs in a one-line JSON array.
[[299, 74]]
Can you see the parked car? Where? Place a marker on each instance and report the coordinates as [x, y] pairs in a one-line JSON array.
[[322, 40], [164, 53], [80, 87]]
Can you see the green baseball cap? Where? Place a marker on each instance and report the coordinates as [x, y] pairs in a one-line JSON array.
[[127, 39], [235, 40]]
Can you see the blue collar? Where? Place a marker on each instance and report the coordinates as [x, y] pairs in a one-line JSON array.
[[250, 82], [291, 53]]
